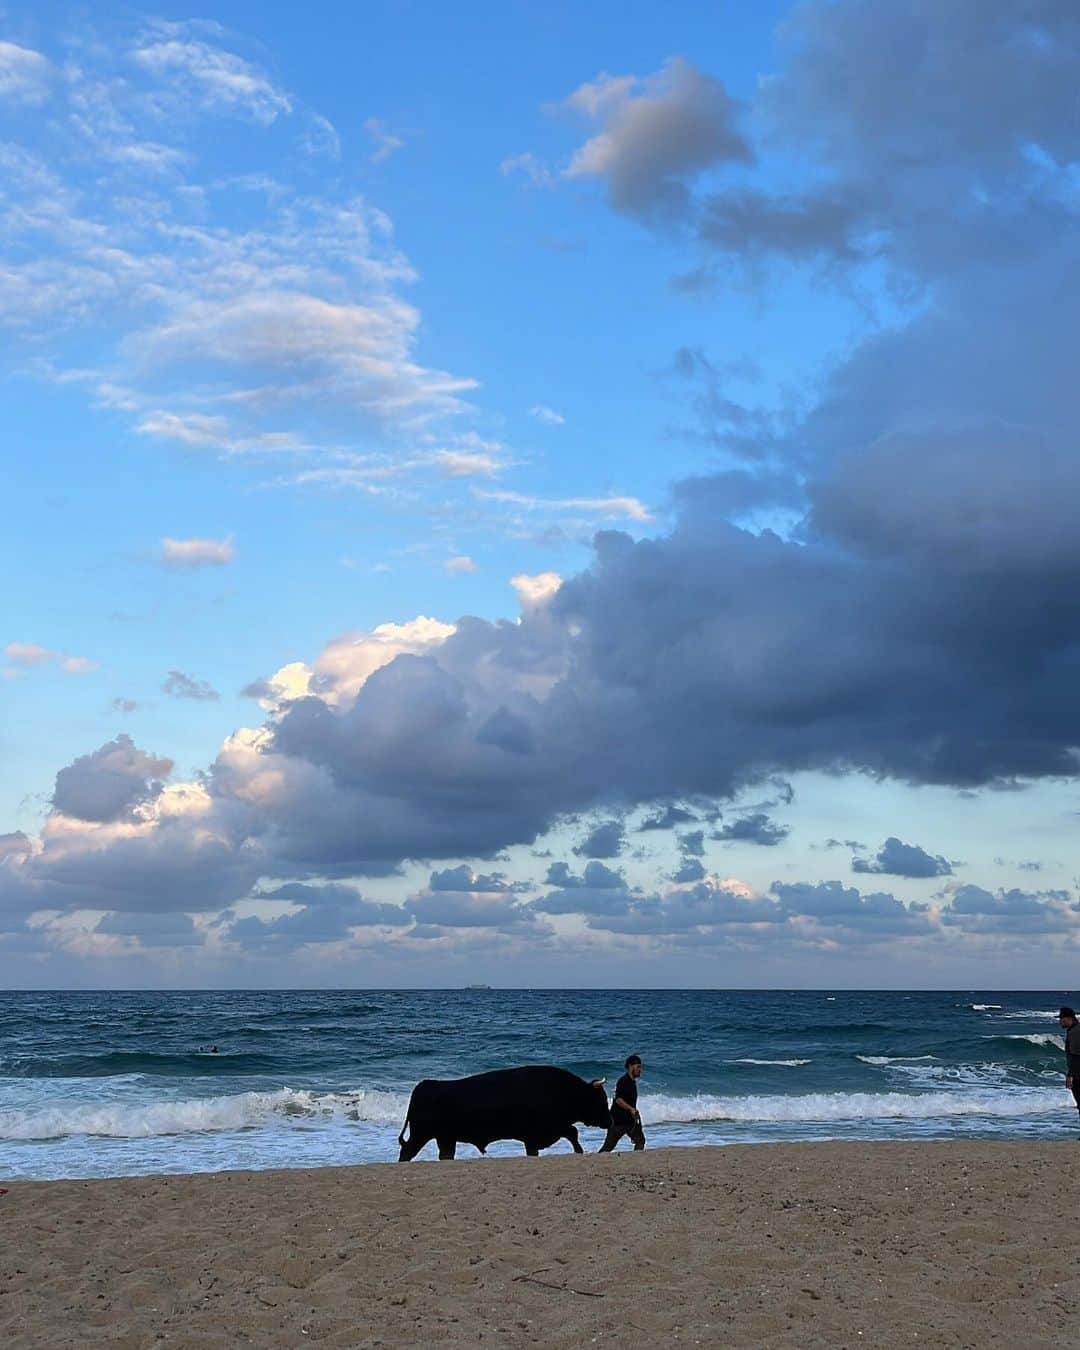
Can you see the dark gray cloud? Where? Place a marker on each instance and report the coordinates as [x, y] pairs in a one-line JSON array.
[[463, 878], [311, 924], [107, 783], [152, 930], [833, 904], [179, 685], [344, 899], [903, 860], [1012, 912], [468, 909], [756, 828], [691, 850], [667, 818], [605, 840], [655, 136], [597, 890], [690, 869], [595, 877]]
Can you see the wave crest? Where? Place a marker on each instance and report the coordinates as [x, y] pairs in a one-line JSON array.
[[201, 1115]]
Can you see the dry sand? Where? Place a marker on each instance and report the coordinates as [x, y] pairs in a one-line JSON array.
[[839, 1244]]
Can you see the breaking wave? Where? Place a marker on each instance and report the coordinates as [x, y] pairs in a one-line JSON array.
[[894, 1059], [1035, 1038], [781, 1063], [854, 1106], [244, 1111]]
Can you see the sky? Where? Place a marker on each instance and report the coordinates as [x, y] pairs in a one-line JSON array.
[[540, 496]]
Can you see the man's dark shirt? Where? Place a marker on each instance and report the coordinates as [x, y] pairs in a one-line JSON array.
[[626, 1088], [1072, 1051]]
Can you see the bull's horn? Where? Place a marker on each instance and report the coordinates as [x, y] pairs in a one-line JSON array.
[[599, 1082]]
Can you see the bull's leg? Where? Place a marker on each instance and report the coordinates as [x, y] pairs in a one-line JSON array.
[[571, 1133], [531, 1150], [447, 1148], [410, 1148]]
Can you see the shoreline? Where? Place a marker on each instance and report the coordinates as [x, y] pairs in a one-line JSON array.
[[950, 1243]]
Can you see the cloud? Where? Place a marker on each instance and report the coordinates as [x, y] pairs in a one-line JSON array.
[[179, 685], [534, 169], [756, 828], [609, 508], [667, 818], [460, 565], [195, 553], [28, 655], [595, 877], [903, 860], [214, 79], [25, 75], [657, 134], [1012, 912], [16, 844], [547, 415], [606, 840], [887, 628], [151, 930], [385, 143], [597, 890], [110, 782], [311, 924], [463, 878], [255, 313], [470, 908]]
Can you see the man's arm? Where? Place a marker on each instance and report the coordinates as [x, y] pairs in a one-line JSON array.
[[1072, 1057]]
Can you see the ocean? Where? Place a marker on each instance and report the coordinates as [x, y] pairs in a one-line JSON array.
[[117, 1084]]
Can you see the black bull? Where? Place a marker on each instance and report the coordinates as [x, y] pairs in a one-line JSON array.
[[537, 1104]]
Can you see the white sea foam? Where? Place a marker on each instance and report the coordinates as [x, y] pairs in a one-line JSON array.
[[985, 1007], [1035, 1038], [894, 1059], [260, 1111], [245, 1111], [854, 1106], [1029, 1015], [785, 1063]]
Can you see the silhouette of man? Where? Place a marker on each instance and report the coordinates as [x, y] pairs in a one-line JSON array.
[[625, 1116]]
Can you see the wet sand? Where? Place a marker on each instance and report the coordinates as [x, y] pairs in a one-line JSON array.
[[833, 1245]]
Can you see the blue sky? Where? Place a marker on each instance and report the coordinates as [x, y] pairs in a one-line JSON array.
[[687, 389]]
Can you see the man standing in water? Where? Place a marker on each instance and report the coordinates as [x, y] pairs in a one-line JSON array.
[[626, 1118], [1071, 1027]]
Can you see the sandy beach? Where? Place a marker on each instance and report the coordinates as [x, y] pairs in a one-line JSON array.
[[834, 1244]]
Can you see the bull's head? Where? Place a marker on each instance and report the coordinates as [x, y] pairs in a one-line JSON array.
[[596, 1107]]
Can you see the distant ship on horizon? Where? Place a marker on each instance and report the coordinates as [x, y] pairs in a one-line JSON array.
[[478, 986]]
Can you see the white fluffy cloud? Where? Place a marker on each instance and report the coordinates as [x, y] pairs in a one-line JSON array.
[[194, 553], [25, 75]]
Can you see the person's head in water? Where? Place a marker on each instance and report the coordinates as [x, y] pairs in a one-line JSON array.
[[1066, 1017], [634, 1066]]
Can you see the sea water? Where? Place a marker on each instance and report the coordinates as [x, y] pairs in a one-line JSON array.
[[113, 1084]]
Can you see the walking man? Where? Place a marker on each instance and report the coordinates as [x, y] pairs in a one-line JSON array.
[[1068, 1023], [626, 1118]]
